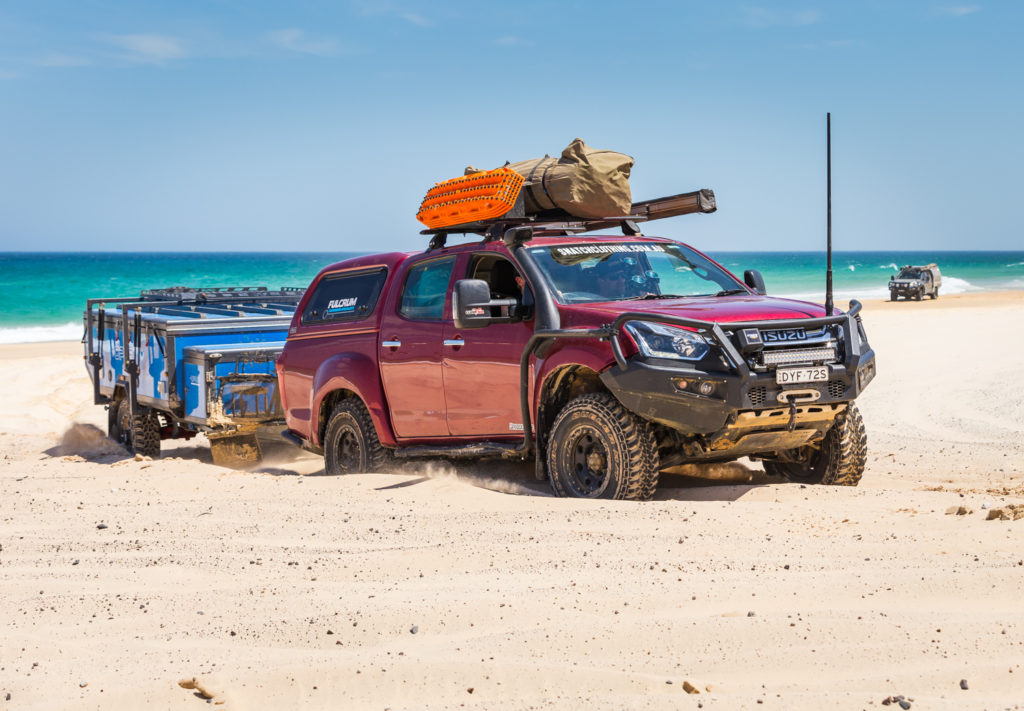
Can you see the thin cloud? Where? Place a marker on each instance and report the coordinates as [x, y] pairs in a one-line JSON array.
[[416, 19], [761, 17], [147, 49], [7, 74], [957, 10], [295, 40], [370, 8]]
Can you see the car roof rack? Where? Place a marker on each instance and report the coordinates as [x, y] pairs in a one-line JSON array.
[[558, 222]]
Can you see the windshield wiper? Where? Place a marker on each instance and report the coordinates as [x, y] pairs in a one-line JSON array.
[[647, 297], [730, 292]]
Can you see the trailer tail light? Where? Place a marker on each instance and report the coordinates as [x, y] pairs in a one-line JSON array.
[[471, 198]]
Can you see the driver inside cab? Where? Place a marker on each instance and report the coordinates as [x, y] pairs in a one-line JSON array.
[[611, 278]]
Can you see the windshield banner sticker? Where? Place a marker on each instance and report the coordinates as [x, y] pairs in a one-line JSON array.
[[606, 249]]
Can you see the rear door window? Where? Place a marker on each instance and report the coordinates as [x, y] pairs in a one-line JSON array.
[[425, 290], [349, 296]]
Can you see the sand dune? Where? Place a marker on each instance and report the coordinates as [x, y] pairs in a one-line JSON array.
[[445, 586]]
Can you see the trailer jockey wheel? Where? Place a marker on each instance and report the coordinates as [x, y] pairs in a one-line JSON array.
[[139, 434]]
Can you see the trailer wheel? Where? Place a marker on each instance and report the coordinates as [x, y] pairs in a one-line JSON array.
[[351, 445], [840, 459], [600, 450], [114, 430], [139, 434]]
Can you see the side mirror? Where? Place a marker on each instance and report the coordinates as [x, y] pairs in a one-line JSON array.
[[473, 305], [755, 281]]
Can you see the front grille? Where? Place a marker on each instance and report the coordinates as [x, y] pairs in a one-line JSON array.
[[757, 396], [800, 355], [836, 388]]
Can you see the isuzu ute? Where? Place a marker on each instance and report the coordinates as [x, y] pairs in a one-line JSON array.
[[605, 358]]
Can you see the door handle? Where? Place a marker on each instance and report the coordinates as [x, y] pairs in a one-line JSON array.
[[454, 342], [391, 344]]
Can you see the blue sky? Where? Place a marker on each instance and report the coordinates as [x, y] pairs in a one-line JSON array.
[[318, 126]]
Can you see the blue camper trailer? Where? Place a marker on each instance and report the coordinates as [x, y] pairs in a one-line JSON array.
[[174, 362]]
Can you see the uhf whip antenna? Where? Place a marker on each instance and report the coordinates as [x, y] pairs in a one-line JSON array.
[[828, 251]]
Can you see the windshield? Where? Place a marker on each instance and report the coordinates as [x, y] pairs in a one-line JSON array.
[[586, 273], [909, 274]]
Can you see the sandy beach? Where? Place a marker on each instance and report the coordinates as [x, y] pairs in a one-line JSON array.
[[444, 587]]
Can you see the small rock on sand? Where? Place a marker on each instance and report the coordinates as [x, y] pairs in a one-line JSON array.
[[690, 688]]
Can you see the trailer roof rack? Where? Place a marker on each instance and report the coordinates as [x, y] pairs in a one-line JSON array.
[[559, 222], [219, 293]]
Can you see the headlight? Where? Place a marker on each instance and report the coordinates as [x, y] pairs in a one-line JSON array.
[[658, 341]]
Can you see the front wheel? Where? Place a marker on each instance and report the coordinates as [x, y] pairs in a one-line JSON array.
[[139, 434], [893, 296], [838, 461], [600, 450], [351, 445]]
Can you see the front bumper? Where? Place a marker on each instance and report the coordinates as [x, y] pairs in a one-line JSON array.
[[906, 289], [694, 401], [651, 389]]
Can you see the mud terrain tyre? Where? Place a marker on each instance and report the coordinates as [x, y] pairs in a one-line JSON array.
[[139, 434], [839, 461], [600, 450], [351, 445]]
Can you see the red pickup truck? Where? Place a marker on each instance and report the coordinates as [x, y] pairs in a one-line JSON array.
[[605, 358]]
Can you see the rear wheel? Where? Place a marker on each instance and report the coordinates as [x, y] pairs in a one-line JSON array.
[[139, 434], [934, 294], [351, 445], [600, 450], [838, 461]]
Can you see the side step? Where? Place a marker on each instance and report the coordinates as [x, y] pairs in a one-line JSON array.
[[290, 436], [479, 449]]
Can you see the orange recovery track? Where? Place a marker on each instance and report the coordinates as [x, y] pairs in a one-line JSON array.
[[470, 198]]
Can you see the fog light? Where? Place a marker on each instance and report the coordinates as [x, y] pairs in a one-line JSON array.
[[680, 383], [707, 388]]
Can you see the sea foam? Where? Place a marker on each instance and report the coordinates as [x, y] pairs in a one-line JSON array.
[[38, 334]]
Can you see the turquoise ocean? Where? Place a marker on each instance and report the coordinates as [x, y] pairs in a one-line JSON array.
[[42, 295]]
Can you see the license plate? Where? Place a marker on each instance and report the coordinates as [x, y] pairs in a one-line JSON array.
[[789, 376]]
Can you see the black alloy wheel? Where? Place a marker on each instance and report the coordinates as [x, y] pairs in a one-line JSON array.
[[351, 445], [600, 450], [589, 472]]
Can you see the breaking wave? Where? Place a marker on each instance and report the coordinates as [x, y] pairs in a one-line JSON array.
[[38, 334], [953, 285]]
